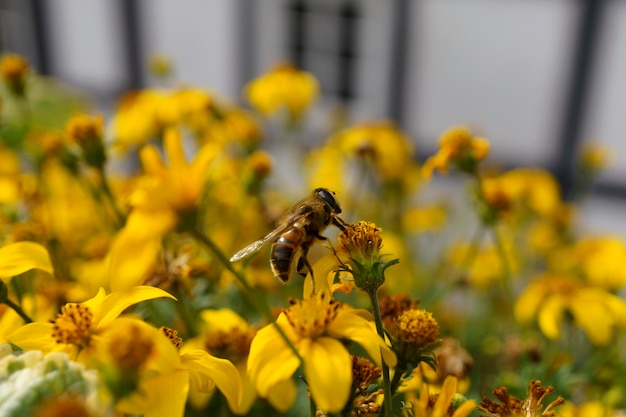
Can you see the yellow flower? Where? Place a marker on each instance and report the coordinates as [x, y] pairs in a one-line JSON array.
[[19, 257], [227, 335], [166, 196], [10, 173], [283, 87], [86, 131], [525, 188], [424, 218], [457, 146], [390, 150], [440, 406], [587, 409], [75, 328], [595, 157], [602, 260], [14, 70], [136, 354], [594, 310], [315, 326], [483, 264]]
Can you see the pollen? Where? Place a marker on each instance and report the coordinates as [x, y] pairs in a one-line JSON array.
[[417, 327], [362, 240], [310, 317], [233, 344], [172, 335], [73, 325], [392, 306]]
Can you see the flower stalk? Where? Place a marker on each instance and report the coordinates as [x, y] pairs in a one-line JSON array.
[[4, 299]]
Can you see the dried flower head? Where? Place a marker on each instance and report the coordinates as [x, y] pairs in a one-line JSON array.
[[511, 406]]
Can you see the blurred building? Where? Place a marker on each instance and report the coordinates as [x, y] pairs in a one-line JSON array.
[[538, 78]]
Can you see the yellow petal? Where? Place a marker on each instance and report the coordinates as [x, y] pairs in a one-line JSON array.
[[223, 319], [248, 392], [528, 303], [283, 395], [270, 360], [323, 272], [207, 371], [111, 306], [443, 399], [592, 315], [173, 144], [34, 336], [151, 160], [326, 357], [551, 315], [465, 409], [350, 325], [17, 258], [160, 396], [135, 249]]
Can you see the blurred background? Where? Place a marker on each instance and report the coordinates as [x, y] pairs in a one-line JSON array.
[[538, 78]]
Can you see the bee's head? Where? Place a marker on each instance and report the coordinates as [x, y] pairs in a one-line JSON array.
[[329, 198]]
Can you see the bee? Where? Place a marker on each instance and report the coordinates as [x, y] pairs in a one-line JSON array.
[[298, 230]]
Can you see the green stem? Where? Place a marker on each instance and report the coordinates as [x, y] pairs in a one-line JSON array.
[[104, 183], [397, 376], [385, 369], [257, 302], [18, 310], [312, 407], [506, 268]]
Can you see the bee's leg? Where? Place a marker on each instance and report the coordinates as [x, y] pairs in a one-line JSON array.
[[303, 263], [330, 245], [340, 223]]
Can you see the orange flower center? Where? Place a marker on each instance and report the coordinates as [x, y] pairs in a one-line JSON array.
[[172, 335], [311, 317], [418, 327], [73, 325]]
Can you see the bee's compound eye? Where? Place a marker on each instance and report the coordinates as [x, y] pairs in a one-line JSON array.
[[329, 197]]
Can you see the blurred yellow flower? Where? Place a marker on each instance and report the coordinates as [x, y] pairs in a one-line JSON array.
[[10, 176], [587, 409], [382, 144], [227, 335], [165, 196], [315, 326], [19, 257], [421, 219], [483, 265], [595, 157], [551, 295], [149, 359], [78, 325], [458, 147], [530, 189], [283, 87], [14, 70], [602, 261], [441, 405]]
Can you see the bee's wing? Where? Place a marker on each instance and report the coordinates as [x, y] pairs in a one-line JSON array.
[[256, 246]]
